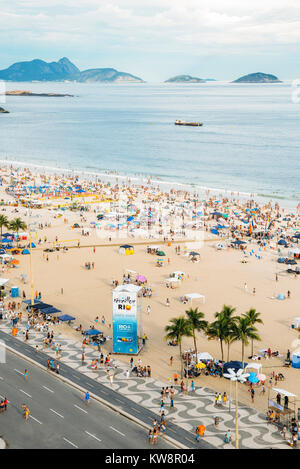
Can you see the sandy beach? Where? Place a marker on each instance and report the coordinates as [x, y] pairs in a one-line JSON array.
[[220, 275]]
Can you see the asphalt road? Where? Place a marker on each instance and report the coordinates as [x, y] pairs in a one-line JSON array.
[[113, 397], [59, 417]]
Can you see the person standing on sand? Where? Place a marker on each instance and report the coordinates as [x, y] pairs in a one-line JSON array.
[[171, 361]]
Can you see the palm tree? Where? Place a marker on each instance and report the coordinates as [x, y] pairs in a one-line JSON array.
[[176, 330], [17, 224], [243, 331], [230, 320], [198, 324], [3, 222], [254, 318], [222, 328]]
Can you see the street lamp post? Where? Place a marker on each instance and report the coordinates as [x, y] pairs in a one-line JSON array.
[[241, 377]]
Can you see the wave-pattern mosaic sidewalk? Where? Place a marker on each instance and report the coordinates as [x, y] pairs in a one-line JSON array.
[[189, 410]]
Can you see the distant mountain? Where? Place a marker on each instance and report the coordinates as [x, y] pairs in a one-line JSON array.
[[38, 70], [107, 75], [258, 78], [185, 79]]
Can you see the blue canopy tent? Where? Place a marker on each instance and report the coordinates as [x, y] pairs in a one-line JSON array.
[[235, 365], [50, 310], [66, 318], [6, 241], [40, 305], [28, 302], [92, 332]]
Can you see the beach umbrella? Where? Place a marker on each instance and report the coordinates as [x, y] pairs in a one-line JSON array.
[[141, 278], [280, 296], [26, 251], [32, 245], [214, 231], [193, 253], [282, 242], [261, 377], [253, 378], [14, 262], [160, 253], [200, 365]]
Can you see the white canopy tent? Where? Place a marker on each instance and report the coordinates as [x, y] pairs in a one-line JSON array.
[[254, 366], [283, 392], [3, 281], [203, 356], [177, 274], [297, 322], [194, 296]]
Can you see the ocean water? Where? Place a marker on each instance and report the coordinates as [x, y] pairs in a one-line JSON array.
[[250, 140]]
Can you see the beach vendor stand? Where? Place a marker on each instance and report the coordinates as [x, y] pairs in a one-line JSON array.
[[283, 406], [127, 319], [126, 249]]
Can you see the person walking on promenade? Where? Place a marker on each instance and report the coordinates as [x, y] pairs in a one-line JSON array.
[[87, 398], [25, 375]]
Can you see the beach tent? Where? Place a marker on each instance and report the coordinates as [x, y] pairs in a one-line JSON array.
[[178, 274], [296, 359], [297, 322], [3, 281], [66, 318], [234, 365], [25, 251], [50, 310], [204, 356], [280, 296], [174, 281], [92, 332], [254, 366], [194, 296], [214, 231], [126, 249]]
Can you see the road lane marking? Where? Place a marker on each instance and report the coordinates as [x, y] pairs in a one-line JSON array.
[[93, 436], [117, 431], [70, 442], [19, 372], [57, 413], [190, 440], [50, 390], [80, 409], [33, 418], [24, 392]]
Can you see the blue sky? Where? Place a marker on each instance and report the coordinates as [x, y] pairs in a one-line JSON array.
[[157, 39]]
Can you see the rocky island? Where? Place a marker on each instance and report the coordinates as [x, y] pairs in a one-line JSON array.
[[30, 93], [258, 78], [185, 79], [3, 111]]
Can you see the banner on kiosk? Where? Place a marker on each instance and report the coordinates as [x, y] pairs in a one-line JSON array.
[[125, 338]]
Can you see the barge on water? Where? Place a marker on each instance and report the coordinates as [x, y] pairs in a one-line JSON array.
[[192, 124]]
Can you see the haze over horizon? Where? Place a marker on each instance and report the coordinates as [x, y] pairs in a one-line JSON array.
[[156, 39]]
